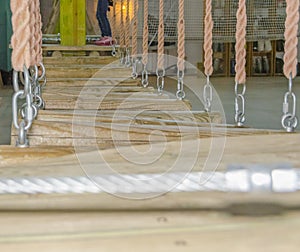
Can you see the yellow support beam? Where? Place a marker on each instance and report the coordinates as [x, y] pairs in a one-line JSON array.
[[72, 22]]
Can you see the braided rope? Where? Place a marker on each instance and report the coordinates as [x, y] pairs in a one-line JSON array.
[[145, 33], [127, 27], [121, 184], [38, 32], [240, 49], [208, 38], [113, 23], [291, 40], [32, 26], [122, 26], [238, 180], [161, 33], [181, 37], [135, 28], [20, 40]]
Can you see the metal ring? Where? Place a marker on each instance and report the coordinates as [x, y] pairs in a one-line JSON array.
[[289, 122], [34, 111], [180, 94], [134, 75], [160, 72], [43, 72]]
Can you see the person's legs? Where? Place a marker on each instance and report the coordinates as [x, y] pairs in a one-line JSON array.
[[103, 21]]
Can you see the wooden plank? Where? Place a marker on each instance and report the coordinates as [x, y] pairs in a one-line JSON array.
[[109, 128], [80, 82], [280, 148], [118, 104], [73, 60], [87, 72], [174, 231], [83, 48]]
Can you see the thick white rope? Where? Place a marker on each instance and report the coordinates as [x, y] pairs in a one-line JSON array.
[[242, 179]]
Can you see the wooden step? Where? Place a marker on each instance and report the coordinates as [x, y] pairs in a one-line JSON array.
[[73, 60], [80, 82], [276, 148], [94, 71]]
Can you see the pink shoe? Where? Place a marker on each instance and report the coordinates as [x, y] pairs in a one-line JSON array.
[[104, 41]]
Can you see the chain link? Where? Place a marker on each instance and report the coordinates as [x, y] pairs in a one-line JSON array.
[[207, 95], [160, 73], [240, 104], [289, 119], [134, 73], [114, 51], [180, 94], [145, 78], [31, 93], [128, 58]]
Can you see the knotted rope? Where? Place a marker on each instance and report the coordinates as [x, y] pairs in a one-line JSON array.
[[291, 40], [240, 51], [20, 40]]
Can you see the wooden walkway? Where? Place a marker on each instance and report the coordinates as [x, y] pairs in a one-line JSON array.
[[100, 109]]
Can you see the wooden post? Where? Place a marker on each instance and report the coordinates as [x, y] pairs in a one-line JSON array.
[[72, 22]]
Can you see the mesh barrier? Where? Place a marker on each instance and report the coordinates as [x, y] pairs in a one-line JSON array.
[[265, 19]]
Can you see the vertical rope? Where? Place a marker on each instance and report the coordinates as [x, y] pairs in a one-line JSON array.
[[20, 40], [38, 32], [181, 37], [208, 38], [122, 32], [113, 22], [240, 50], [135, 28], [145, 33], [291, 40], [127, 23], [32, 5], [161, 33]]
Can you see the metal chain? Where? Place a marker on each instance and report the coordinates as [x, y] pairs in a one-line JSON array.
[[289, 119], [127, 57], [240, 104], [180, 94], [207, 95], [276, 179], [145, 77], [160, 73], [33, 100]]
